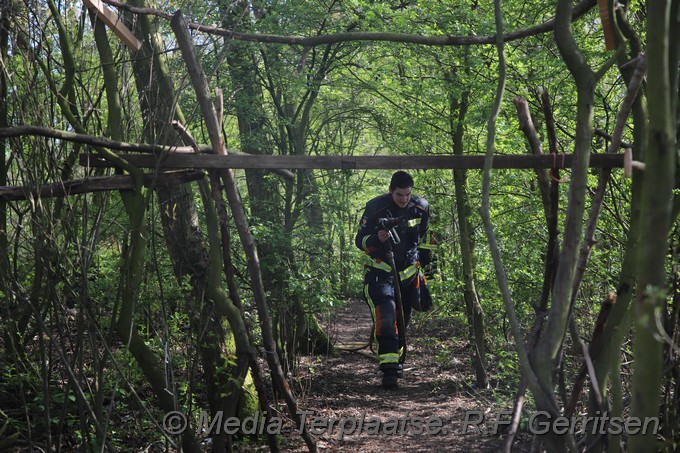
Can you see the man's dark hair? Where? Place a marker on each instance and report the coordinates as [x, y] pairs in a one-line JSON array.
[[402, 180]]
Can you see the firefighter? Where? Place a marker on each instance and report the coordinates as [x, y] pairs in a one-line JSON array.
[[413, 216]]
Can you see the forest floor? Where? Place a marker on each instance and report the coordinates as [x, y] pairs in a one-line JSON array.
[[426, 413]]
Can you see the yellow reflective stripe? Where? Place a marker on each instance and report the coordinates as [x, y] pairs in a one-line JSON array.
[[403, 275], [414, 222], [408, 272], [390, 357], [428, 246], [371, 306], [383, 266], [364, 241]]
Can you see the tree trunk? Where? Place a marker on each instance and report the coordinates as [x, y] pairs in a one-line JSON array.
[[135, 205], [660, 159], [211, 119], [548, 350], [4, 42], [473, 306], [607, 364], [185, 242], [297, 327]]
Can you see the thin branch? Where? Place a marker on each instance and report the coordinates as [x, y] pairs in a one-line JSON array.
[[588, 364], [551, 215], [598, 197], [526, 125], [484, 210], [611, 61], [627, 104], [606, 136], [592, 353], [578, 11], [96, 184], [40, 131]]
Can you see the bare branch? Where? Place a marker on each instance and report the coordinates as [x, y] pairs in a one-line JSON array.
[[92, 140], [627, 105], [578, 11], [20, 131], [96, 184]]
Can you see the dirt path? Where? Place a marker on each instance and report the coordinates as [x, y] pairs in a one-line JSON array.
[[425, 414]]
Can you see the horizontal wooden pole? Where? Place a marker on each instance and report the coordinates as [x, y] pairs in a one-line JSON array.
[[351, 162], [40, 131], [96, 184]]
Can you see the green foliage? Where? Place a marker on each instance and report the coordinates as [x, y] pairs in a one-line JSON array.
[[352, 98]]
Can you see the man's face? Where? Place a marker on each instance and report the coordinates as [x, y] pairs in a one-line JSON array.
[[401, 196]]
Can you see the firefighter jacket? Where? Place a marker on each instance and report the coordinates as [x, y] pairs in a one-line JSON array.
[[415, 218]]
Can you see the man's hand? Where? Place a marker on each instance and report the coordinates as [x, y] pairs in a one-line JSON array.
[[383, 235]]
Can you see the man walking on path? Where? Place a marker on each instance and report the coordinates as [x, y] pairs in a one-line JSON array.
[[409, 215]]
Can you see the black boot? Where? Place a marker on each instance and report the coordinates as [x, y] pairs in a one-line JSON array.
[[400, 371], [389, 380]]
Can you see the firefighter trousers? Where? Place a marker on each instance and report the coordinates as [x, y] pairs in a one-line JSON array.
[[379, 294]]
